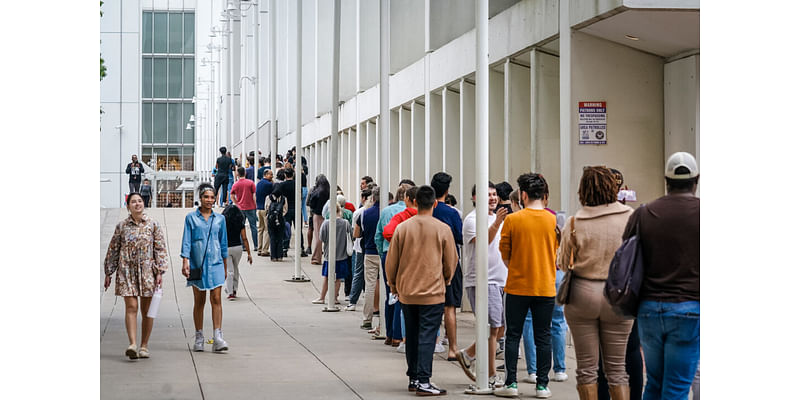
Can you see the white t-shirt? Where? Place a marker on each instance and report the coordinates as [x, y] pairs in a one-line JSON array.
[[497, 270], [356, 217]]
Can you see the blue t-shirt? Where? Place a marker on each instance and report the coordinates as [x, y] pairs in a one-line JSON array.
[[263, 189], [368, 225], [248, 173], [449, 216]]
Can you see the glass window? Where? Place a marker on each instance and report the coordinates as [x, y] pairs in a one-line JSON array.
[[159, 122], [160, 32], [189, 199], [147, 123], [160, 155], [147, 156], [176, 32], [147, 32], [188, 159], [160, 78], [174, 78], [147, 77], [175, 128], [173, 159], [188, 134], [188, 33], [188, 78]]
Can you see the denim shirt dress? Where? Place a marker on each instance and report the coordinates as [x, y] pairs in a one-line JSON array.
[[195, 233]]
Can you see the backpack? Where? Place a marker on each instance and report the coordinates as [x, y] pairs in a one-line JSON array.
[[625, 275], [275, 214]]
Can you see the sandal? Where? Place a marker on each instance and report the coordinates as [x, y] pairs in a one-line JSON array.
[[318, 301], [131, 352], [144, 353]]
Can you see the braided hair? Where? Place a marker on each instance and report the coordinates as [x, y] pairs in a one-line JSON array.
[[598, 186], [534, 185]]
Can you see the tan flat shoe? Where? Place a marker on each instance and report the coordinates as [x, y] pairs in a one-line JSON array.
[[131, 352], [144, 353]]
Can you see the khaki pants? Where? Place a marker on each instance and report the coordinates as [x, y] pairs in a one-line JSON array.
[[372, 264], [316, 255], [594, 325], [263, 232]]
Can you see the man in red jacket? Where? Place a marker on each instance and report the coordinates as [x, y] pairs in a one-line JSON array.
[[410, 211]]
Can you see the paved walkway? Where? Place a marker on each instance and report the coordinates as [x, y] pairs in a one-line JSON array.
[[281, 345]]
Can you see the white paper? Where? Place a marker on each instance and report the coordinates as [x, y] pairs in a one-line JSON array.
[[156, 300]]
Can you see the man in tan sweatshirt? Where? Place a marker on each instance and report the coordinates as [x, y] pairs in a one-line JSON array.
[[422, 259]]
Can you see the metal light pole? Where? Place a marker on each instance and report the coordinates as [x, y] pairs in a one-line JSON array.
[[384, 127], [273, 92], [298, 216], [565, 100], [334, 157], [256, 83], [482, 191]]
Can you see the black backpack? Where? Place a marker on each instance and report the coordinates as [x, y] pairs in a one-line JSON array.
[[275, 213], [625, 275]]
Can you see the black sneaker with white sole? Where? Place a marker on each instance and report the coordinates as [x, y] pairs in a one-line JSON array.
[[429, 389], [412, 384]]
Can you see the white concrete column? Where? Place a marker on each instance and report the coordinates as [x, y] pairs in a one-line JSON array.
[[518, 120], [433, 145], [496, 123], [565, 101], [451, 144], [298, 84], [394, 143], [384, 113], [404, 148], [334, 154], [467, 138], [273, 78], [418, 143]]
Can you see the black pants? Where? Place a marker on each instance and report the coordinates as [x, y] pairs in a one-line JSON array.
[[348, 280], [289, 217], [146, 201], [516, 310], [134, 186], [222, 182], [633, 366], [422, 322], [276, 241]]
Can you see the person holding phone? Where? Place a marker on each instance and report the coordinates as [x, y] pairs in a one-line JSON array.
[[138, 254], [204, 251]]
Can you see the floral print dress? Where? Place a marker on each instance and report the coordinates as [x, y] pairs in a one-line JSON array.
[[137, 253]]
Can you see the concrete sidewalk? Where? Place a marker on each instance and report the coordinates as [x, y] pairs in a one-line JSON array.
[[281, 345]]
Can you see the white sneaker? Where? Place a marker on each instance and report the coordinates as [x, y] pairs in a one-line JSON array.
[[439, 348], [219, 343], [393, 299], [542, 392], [531, 378], [199, 341], [351, 307], [496, 382], [445, 342], [507, 391], [560, 377], [402, 347]]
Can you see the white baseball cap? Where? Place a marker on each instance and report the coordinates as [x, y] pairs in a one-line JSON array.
[[681, 159]]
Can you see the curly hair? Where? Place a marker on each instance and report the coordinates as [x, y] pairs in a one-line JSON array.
[[598, 186]]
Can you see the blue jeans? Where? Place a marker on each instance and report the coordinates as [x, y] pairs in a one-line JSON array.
[[252, 220], [228, 190], [558, 333], [392, 311], [670, 336], [358, 277], [304, 190]]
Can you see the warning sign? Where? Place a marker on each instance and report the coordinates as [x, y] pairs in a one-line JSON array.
[[592, 122]]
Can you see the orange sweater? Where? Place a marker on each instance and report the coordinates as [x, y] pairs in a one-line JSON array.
[[528, 241], [422, 259]]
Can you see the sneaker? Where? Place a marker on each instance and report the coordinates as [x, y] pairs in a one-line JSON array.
[[412, 384], [465, 363], [366, 325], [531, 378], [560, 377], [219, 343], [496, 382], [429, 389], [232, 296], [507, 391], [445, 342], [402, 347], [318, 301], [499, 355], [501, 367], [542, 392], [439, 348], [199, 341], [303, 254], [351, 307], [131, 352], [144, 353]]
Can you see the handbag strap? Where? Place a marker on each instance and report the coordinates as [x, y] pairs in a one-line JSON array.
[[208, 239], [573, 243]]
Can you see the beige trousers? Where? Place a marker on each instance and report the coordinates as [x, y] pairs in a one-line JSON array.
[[372, 264], [316, 255], [263, 232], [595, 326]]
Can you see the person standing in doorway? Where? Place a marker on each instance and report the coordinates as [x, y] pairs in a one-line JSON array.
[[669, 312], [422, 246], [224, 166], [441, 211], [528, 246], [204, 251], [244, 196], [137, 253], [135, 170]]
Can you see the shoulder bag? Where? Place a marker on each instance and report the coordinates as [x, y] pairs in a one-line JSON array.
[[195, 274], [562, 296], [626, 273]]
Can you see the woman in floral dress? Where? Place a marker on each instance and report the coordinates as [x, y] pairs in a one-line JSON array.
[[204, 251], [138, 254]]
